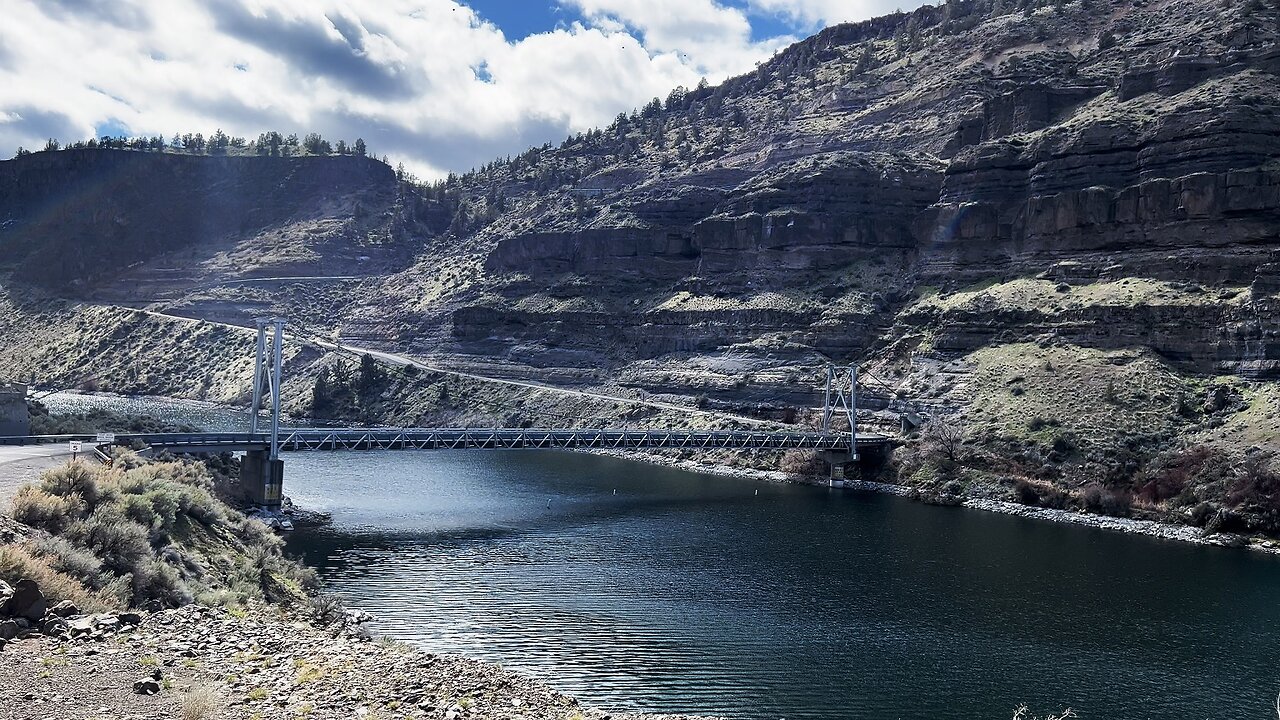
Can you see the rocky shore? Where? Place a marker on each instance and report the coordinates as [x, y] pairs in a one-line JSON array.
[[1149, 528], [260, 663]]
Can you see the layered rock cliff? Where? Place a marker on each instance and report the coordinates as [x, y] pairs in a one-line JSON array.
[[1058, 221]]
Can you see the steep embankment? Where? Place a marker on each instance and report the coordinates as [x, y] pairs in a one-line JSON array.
[[1055, 225]]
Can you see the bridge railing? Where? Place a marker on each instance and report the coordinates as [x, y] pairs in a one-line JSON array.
[[460, 438]]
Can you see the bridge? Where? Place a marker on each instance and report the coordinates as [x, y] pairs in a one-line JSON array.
[[262, 470]]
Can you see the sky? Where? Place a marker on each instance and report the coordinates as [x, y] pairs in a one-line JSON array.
[[440, 85]]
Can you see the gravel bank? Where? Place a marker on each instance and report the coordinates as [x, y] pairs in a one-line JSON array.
[[263, 666]]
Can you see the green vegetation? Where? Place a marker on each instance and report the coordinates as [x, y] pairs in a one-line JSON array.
[[340, 393], [271, 143], [146, 534], [1109, 432]]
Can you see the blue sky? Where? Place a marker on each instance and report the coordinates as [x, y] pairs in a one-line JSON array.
[[442, 85], [521, 19]]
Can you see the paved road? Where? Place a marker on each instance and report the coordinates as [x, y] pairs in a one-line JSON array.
[[407, 360], [21, 464]]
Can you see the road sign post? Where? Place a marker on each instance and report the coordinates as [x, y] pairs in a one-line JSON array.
[[76, 447]]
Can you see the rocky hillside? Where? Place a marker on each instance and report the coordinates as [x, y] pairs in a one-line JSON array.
[[1056, 224]]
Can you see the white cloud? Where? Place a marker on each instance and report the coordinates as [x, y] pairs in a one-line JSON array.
[[713, 38], [425, 81], [820, 13]]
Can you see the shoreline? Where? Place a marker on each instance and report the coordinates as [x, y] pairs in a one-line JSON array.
[[1148, 528], [267, 663], [1162, 530]]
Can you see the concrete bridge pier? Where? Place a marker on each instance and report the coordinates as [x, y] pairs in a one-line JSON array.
[[838, 463], [262, 479], [845, 466]]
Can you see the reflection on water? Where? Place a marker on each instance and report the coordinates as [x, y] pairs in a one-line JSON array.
[[656, 589]]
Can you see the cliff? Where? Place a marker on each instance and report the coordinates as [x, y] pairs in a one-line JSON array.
[[1058, 224]]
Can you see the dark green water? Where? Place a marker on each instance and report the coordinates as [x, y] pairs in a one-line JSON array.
[[692, 593]]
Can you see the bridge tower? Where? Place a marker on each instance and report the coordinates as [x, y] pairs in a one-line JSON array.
[[262, 471], [841, 398]]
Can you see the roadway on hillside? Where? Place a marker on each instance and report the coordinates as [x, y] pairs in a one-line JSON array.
[[405, 360], [21, 464]]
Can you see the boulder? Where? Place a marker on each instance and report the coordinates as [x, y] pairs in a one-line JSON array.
[[9, 630], [130, 618], [82, 625], [146, 686], [54, 626], [27, 601], [64, 609], [110, 623]]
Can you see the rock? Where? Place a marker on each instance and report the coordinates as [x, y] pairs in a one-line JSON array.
[[146, 686], [54, 626], [64, 609], [357, 617], [27, 601], [106, 622], [130, 618], [6, 592], [82, 625], [8, 630]]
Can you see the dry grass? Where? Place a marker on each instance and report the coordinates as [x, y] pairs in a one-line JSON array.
[[18, 561], [1091, 393], [201, 702]]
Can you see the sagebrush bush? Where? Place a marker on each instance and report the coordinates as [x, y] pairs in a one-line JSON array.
[[74, 478], [120, 543], [156, 582], [139, 509], [71, 560], [151, 533], [18, 562], [39, 509]]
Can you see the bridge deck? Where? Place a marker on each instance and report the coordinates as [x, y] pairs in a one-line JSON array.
[[497, 438]]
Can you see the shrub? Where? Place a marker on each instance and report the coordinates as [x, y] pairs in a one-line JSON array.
[[802, 462], [120, 543], [201, 703], [1178, 474], [139, 509], [1256, 483], [70, 560], [326, 609], [156, 582], [75, 478], [1026, 492], [253, 531], [1044, 494], [18, 561], [108, 552], [1106, 501], [39, 509]]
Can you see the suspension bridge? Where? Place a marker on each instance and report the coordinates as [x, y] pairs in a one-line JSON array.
[[838, 439]]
